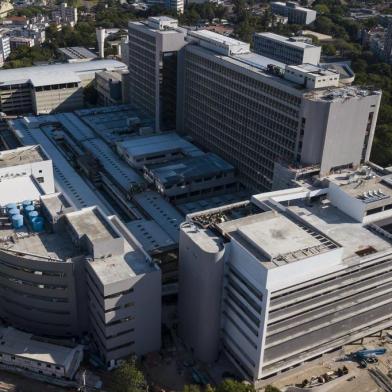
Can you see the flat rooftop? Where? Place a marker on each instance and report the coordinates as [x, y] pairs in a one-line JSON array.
[[350, 234], [21, 156], [58, 72], [90, 222], [17, 189], [24, 345], [192, 167], [278, 236], [45, 246], [77, 52], [142, 146], [285, 40], [314, 70]]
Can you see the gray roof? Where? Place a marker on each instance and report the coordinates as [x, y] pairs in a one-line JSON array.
[[193, 167], [56, 73]]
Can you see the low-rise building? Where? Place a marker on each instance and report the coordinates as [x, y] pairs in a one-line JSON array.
[[49, 88], [192, 178], [294, 13], [27, 352], [109, 86], [156, 149], [288, 50], [75, 54]]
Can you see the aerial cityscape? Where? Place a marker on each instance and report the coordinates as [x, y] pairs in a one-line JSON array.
[[196, 196]]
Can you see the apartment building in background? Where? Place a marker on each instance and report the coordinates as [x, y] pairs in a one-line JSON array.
[[294, 13], [288, 275], [153, 48], [287, 50], [266, 117]]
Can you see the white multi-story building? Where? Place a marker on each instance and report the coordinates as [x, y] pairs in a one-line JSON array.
[[294, 13], [287, 50], [5, 48], [288, 275]]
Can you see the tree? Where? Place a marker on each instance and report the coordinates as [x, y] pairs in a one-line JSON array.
[[128, 378], [270, 388], [234, 386], [192, 388]]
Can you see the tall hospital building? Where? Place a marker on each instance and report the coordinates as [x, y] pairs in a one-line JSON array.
[[268, 118]]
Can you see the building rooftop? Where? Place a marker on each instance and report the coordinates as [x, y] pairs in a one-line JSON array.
[[67, 180], [291, 4], [25, 345], [91, 222], [58, 73], [141, 146], [151, 236], [77, 53], [192, 167], [313, 70], [17, 189], [22, 156], [285, 40], [221, 43], [159, 209]]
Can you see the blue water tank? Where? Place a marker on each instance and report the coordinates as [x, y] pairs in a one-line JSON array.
[[37, 223], [26, 203], [29, 208], [10, 206], [32, 214], [17, 221], [13, 211]]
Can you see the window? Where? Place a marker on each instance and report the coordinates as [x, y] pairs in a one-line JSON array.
[[40, 180]]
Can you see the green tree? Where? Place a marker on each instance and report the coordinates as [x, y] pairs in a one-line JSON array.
[[128, 378], [271, 388], [234, 386]]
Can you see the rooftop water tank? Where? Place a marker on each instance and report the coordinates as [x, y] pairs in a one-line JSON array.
[[17, 221], [29, 208], [37, 224], [10, 206], [26, 203], [13, 211], [32, 214]]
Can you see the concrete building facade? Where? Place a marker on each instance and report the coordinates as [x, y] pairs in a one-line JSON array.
[[254, 111], [288, 275], [153, 48], [286, 50], [49, 88], [82, 273]]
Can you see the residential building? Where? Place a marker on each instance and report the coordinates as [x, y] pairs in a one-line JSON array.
[[16, 42], [294, 13], [49, 88], [153, 48], [254, 111], [287, 50], [66, 15], [5, 48], [289, 275]]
